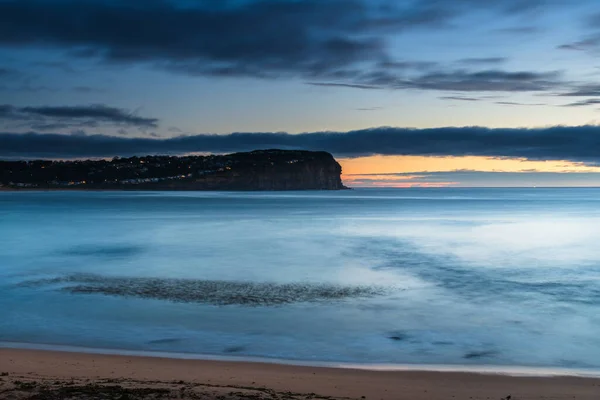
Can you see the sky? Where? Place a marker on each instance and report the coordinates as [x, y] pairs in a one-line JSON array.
[[403, 93]]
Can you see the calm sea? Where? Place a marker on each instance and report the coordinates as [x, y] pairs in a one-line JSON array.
[[507, 277]]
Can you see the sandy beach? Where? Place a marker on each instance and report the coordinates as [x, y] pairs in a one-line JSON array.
[[40, 374]]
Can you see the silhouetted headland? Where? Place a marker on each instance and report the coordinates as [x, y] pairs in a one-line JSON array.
[[256, 170]]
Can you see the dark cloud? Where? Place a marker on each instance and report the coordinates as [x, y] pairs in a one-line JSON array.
[[49, 126], [485, 60], [97, 112], [459, 98], [345, 85], [60, 117], [256, 38], [589, 102], [6, 111], [335, 43], [589, 90], [458, 81], [588, 44], [259, 38], [591, 41], [404, 65], [581, 143], [414, 173], [488, 80], [515, 103]]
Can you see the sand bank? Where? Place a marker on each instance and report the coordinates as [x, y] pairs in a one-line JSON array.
[[52, 375]]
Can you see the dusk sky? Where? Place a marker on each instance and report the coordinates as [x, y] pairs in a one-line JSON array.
[[402, 93]]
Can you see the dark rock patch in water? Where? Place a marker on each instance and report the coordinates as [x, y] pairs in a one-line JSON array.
[[443, 343], [165, 341], [234, 349], [398, 336], [108, 251], [479, 354], [213, 292]]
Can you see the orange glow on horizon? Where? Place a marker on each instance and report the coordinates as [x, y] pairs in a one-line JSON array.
[[355, 170]]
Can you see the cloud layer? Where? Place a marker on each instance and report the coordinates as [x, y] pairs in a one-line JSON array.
[[60, 117], [558, 143], [334, 42]]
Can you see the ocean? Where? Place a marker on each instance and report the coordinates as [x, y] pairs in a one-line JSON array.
[[449, 276]]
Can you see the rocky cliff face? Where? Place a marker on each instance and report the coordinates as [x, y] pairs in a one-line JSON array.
[[271, 170]]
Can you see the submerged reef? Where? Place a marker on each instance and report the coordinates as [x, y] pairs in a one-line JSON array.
[[213, 292]]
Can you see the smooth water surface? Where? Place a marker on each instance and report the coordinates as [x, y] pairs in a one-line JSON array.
[[408, 276]]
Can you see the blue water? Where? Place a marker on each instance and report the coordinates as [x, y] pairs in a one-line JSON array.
[[507, 277]]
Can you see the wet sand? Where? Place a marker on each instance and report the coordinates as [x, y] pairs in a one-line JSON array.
[[38, 374]]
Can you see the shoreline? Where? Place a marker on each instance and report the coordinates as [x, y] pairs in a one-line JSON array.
[[42, 372], [15, 190], [481, 369]]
